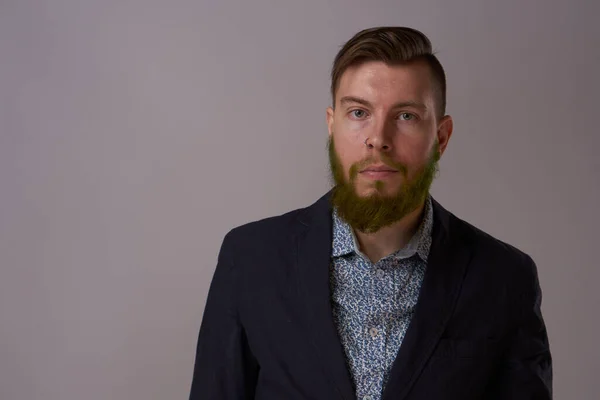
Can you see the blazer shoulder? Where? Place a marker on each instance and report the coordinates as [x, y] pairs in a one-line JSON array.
[[266, 231], [273, 229], [493, 250]]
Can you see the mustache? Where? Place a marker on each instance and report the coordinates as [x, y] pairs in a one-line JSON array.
[[385, 160]]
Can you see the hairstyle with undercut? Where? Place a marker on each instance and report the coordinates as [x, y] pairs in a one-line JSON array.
[[393, 46]]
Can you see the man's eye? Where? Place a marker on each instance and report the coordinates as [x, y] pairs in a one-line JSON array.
[[358, 114], [406, 117]]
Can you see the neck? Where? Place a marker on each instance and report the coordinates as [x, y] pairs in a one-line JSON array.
[[391, 238]]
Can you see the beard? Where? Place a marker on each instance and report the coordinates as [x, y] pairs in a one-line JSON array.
[[368, 214]]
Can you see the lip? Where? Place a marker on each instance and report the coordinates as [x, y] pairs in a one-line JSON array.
[[379, 168], [378, 174]]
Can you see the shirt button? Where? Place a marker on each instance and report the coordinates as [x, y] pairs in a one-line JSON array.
[[380, 273], [373, 332], [367, 398]]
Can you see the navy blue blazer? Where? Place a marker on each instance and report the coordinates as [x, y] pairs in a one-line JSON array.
[[267, 331]]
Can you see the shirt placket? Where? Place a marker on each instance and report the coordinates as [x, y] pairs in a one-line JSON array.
[[374, 334]]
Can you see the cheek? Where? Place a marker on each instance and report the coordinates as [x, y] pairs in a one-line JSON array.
[[412, 149], [354, 130], [347, 152]]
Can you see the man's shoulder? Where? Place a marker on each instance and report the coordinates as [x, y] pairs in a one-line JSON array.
[[492, 250], [276, 230], [273, 225], [487, 240]]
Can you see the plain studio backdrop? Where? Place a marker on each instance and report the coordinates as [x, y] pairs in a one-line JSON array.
[[134, 134]]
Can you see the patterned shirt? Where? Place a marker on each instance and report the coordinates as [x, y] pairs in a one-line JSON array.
[[373, 303]]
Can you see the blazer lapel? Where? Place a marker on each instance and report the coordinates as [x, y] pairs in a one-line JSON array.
[[446, 265], [312, 269]]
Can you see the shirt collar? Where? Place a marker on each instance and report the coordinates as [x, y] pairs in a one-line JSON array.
[[345, 242]]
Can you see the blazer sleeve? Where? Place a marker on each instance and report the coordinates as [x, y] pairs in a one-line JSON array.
[[525, 372], [224, 369]]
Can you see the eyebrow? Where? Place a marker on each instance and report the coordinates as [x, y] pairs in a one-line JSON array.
[[366, 103]]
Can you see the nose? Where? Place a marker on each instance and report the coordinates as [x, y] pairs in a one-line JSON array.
[[379, 139]]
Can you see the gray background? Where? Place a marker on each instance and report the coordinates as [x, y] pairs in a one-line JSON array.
[[134, 134]]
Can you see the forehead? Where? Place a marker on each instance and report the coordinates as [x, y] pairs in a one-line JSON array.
[[381, 84]]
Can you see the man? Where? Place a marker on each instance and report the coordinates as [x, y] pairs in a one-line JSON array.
[[375, 291]]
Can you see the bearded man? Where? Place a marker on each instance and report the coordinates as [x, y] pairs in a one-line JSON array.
[[375, 291]]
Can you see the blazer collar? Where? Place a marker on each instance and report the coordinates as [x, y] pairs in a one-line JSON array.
[[447, 260], [449, 257], [313, 247]]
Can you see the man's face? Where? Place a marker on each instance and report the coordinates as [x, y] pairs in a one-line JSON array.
[[392, 108]]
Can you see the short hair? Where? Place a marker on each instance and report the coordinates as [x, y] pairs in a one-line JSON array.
[[393, 46]]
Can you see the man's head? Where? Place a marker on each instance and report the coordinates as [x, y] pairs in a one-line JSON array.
[[387, 125]]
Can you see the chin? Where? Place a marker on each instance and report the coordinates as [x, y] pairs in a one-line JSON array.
[[381, 187], [365, 193]]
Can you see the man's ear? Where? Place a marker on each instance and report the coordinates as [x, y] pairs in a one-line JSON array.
[[445, 127], [329, 117]]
